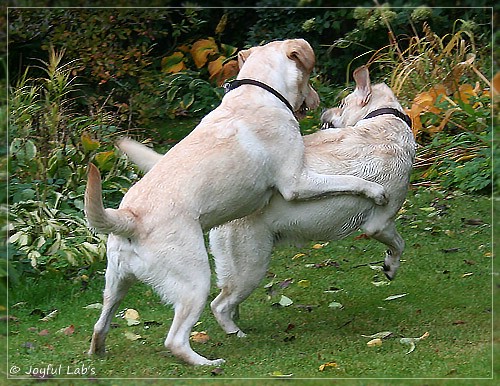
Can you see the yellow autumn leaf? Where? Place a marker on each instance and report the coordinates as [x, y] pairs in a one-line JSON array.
[[215, 66], [374, 342], [496, 84], [173, 63], [202, 49], [88, 143], [297, 255], [327, 365], [221, 26], [424, 102], [437, 90], [465, 92], [304, 283], [105, 159], [220, 71]]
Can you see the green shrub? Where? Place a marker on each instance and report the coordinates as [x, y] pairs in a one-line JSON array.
[[50, 148]]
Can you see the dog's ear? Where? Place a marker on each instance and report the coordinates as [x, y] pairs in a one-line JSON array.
[[363, 85], [312, 99], [300, 51], [243, 56]]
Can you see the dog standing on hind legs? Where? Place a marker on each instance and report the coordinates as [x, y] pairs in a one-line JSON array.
[[227, 167]]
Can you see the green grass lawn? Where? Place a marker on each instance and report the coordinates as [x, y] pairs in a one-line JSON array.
[[446, 276]]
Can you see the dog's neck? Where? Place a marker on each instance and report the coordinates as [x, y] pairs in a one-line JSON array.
[[228, 86], [375, 113]]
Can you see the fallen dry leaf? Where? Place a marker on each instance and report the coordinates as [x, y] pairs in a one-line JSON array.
[[131, 316], [50, 316], [392, 297], [279, 374], [336, 305], [200, 337], [296, 256], [412, 341], [304, 283], [327, 365], [132, 336], [381, 335], [374, 342], [95, 306], [285, 301], [217, 371], [66, 330]]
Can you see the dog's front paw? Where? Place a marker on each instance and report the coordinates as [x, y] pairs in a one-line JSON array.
[[215, 362]]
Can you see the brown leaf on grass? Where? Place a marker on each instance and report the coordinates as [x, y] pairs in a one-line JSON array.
[[67, 330], [285, 283], [217, 371], [10, 318], [328, 365], [200, 337], [456, 322], [472, 221], [44, 332], [290, 327]]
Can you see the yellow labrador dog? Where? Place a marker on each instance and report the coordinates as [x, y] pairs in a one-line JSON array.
[[368, 136], [229, 166]]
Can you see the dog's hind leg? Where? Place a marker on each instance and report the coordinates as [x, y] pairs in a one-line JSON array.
[[242, 250], [390, 237], [117, 286], [186, 284]]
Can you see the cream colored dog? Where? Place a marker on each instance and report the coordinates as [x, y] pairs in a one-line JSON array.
[[372, 139], [229, 166]]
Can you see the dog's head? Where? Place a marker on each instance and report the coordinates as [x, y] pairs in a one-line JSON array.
[[286, 66], [363, 100]]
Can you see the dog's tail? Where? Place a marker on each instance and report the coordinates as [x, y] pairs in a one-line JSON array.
[[144, 157], [118, 221]]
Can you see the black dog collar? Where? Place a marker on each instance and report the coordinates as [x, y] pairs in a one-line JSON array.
[[387, 110], [376, 113], [228, 86]]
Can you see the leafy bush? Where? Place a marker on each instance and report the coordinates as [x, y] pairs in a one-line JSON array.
[[449, 101], [50, 150]]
